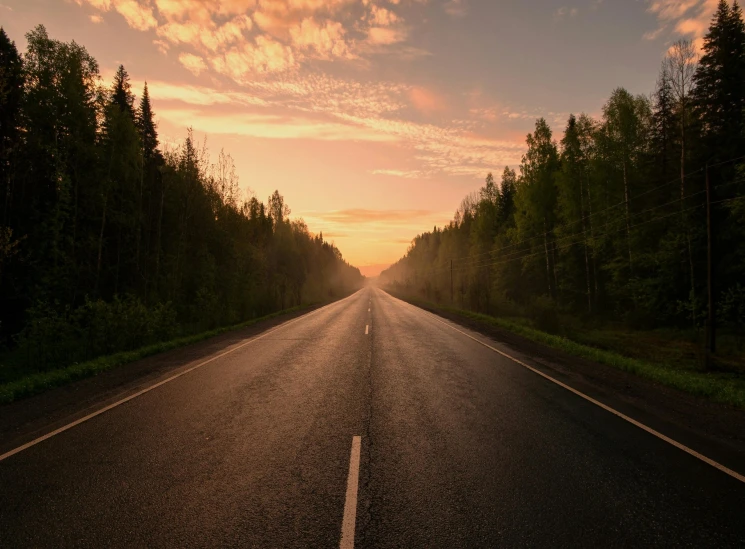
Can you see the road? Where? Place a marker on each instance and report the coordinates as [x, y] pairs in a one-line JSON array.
[[460, 447]]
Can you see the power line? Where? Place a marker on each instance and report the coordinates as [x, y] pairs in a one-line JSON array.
[[726, 200], [584, 232], [578, 241], [622, 203], [587, 217]]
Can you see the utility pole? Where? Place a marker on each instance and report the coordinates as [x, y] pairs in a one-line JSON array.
[[711, 320], [452, 302]]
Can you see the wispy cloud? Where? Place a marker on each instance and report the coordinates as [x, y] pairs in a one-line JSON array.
[[689, 18], [456, 8], [357, 216], [193, 63], [269, 126], [263, 47], [239, 38], [406, 174], [565, 12]]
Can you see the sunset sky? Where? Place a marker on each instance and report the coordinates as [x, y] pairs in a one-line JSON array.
[[374, 118]]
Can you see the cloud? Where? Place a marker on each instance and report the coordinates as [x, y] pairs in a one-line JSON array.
[[689, 18], [361, 216], [244, 38], [209, 37], [267, 126], [382, 17], [326, 40], [265, 55], [195, 96], [96, 19], [564, 12], [653, 35], [192, 63], [406, 174], [426, 101], [385, 35], [269, 91], [136, 15], [456, 8]]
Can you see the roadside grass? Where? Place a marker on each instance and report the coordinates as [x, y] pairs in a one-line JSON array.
[[38, 382], [722, 387]]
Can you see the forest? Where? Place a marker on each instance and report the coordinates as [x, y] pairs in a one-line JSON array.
[[108, 241], [609, 225]]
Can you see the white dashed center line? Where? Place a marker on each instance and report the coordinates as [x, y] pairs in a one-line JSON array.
[[350, 505]]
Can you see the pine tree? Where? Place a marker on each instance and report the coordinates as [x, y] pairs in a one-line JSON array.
[[536, 196], [147, 127], [663, 126], [719, 94], [121, 92], [506, 202], [11, 94], [571, 182]]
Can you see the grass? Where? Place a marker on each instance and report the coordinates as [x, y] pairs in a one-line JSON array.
[[722, 387], [41, 381]]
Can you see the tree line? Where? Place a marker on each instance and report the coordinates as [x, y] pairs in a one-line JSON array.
[[611, 221], [109, 241]]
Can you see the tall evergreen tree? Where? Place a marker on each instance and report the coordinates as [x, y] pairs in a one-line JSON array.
[[719, 94], [536, 197], [11, 94], [147, 127], [121, 92]]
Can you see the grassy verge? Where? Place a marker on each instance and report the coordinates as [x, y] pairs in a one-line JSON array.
[[722, 387], [41, 381]]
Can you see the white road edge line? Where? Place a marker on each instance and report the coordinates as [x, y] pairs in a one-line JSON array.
[[155, 386], [367, 329], [350, 504], [686, 449]]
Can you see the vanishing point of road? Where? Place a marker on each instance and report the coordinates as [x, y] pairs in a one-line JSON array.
[[365, 423]]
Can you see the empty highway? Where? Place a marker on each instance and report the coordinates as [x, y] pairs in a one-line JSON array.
[[459, 446]]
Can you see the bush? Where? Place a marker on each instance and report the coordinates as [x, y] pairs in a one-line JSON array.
[[542, 311], [56, 337]]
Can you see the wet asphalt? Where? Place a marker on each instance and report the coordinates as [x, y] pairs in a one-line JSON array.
[[461, 447]]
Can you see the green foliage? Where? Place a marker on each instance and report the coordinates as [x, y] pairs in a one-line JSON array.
[[609, 225], [55, 336], [108, 243], [542, 311], [19, 384]]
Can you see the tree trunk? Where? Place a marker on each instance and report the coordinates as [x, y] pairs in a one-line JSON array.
[[548, 262], [682, 208], [584, 235], [100, 243], [628, 216], [592, 243], [160, 229]]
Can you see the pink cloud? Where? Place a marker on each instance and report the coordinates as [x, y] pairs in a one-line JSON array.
[[689, 18], [426, 101], [326, 40]]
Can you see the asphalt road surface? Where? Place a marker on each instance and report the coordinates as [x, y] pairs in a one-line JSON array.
[[460, 447]]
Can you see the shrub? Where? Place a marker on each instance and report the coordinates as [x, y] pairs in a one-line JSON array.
[[55, 337], [542, 311]]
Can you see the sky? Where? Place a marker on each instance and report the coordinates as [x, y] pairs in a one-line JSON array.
[[373, 118]]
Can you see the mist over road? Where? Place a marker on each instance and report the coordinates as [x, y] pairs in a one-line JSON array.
[[459, 447]]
